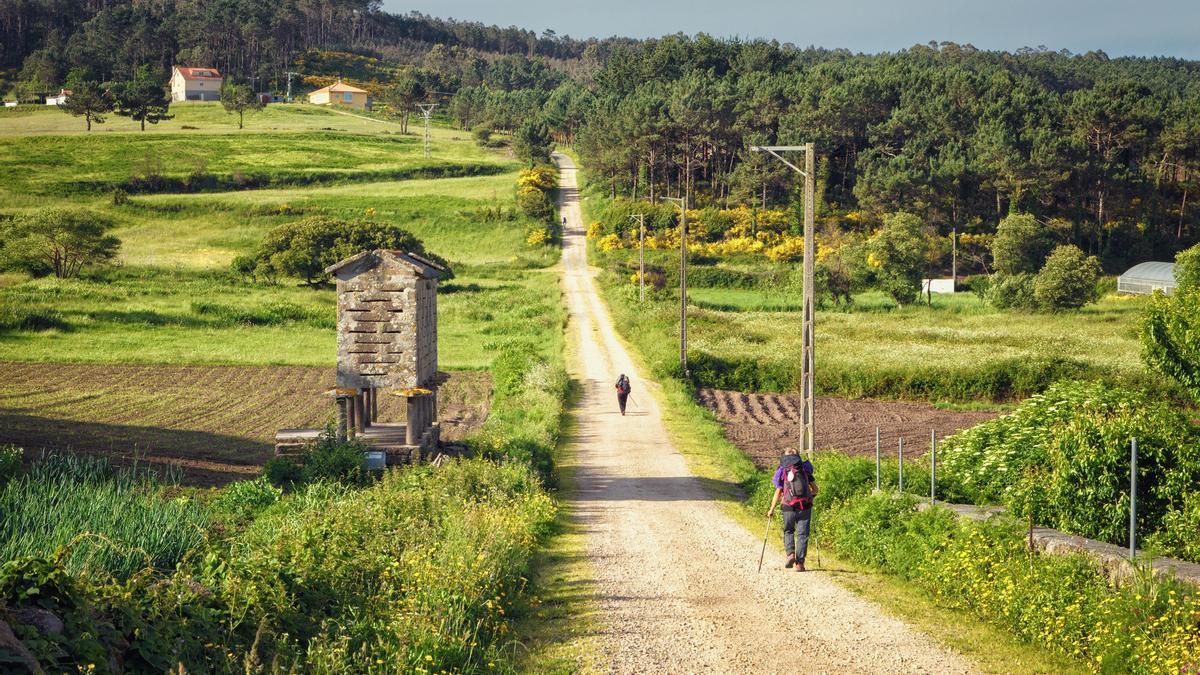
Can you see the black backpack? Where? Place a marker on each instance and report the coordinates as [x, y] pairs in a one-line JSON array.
[[623, 385], [797, 487]]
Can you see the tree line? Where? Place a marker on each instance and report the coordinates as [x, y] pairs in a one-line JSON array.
[[1105, 152]]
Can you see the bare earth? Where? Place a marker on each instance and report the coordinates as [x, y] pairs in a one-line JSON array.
[[763, 425], [217, 423], [675, 577]]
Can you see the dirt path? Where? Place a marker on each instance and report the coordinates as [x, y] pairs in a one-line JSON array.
[[675, 577]]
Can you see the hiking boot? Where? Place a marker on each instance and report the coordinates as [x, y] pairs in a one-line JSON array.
[[791, 560], [800, 566]]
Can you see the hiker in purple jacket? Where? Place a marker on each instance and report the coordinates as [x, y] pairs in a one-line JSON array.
[[795, 488]]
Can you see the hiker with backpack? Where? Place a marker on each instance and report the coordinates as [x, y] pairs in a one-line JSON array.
[[795, 488], [623, 390]]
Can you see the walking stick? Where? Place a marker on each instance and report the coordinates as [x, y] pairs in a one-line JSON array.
[[766, 534]]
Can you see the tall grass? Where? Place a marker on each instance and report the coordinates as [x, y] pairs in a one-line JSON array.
[[104, 520]]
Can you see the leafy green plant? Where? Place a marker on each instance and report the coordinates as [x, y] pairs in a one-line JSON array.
[[306, 247], [1067, 280], [1168, 334], [243, 499], [1021, 245], [1063, 457], [897, 251], [1187, 269], [1012, 291]]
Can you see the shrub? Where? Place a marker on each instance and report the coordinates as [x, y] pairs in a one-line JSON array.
[[1168, 334], [1012, 291], [1187, 269], [61, 241], [283, 472], [245, 498], [535, 190], [304, 248], [898, 251], [1021, 245], [1178, 535], [1067, 280], [1063, 457], [333, 460]]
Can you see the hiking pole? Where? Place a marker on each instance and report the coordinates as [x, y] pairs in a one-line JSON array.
[[766, 534], [635, 403]]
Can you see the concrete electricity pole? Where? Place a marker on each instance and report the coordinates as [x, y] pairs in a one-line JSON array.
[[681, 202], [426, 112], [289, 89], [806, 359], [641, 218]]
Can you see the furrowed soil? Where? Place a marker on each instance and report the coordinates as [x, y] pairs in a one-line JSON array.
[[217, 423], [763, 425]]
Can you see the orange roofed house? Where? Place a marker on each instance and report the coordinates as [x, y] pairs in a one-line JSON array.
[[341, 94], [195, 84]]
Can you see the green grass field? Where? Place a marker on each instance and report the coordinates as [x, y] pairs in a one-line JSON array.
[[173, 301], [959, 349]]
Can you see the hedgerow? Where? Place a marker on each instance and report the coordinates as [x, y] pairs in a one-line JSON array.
[[1063, 456]]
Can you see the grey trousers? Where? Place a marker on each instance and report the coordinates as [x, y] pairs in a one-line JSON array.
[[795, 532]]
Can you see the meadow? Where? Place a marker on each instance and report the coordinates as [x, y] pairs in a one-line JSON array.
[[746, 336]]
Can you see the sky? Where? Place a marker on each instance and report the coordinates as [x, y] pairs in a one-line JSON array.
[[1119, 28]]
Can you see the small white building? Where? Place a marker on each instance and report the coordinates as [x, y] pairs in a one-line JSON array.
[[59, 98], [195, 84], [937, 286]]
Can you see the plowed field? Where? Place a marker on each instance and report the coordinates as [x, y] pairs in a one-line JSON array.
[[218, 422], [763, 425]]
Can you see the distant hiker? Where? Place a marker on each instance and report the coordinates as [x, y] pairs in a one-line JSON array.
[[623, 390], [795, 488], [564, 221]]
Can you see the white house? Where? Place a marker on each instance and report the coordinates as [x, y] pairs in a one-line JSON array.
[[195, 84], [59, 98]]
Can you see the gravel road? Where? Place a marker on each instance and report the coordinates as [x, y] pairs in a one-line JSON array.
[[674, 577]]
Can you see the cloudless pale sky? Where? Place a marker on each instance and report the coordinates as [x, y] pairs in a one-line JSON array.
[[1120, 28]]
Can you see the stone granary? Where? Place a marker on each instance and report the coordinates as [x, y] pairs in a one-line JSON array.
[[386, 339]]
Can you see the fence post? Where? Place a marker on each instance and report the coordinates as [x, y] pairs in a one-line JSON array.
[[1132, 498], [877, 486], [901, 453], [932, 466]]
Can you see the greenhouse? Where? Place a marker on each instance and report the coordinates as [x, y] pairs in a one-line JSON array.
[[1145, 278]]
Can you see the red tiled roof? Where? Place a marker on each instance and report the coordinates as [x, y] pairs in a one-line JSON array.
[[199, 73]]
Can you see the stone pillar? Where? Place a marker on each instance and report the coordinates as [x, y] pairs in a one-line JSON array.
[[413, 422], [374, 404], [343, 419], [352, 416], [360, 414]]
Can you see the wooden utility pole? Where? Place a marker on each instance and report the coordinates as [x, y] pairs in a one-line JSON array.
[[641, 218], [807, 359]]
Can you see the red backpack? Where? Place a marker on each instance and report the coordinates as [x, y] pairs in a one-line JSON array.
[[797, 487]]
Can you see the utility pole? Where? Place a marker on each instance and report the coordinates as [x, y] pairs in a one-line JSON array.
[[681, 202], [954, 259], [806, 357], [426, 112], [641, 218], [289, 88]]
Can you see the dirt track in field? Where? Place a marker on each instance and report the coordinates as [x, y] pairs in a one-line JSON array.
[[674, 577], [217, 422], [763, 425]]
